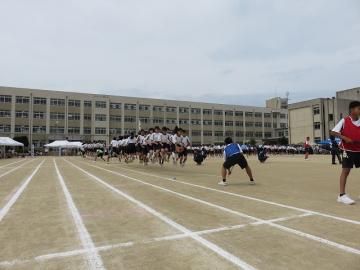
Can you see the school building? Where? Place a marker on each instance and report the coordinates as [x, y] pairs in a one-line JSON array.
[[44, 116], [316, 117]]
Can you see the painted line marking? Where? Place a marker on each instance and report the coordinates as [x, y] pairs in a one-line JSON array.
[[17, 194], [8, 164], [94, 260], [228, 210], [77, 252], [14, 169], [356, 222], [215, 248]]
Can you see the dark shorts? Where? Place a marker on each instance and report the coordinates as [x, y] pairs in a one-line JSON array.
[[157, 147], [131, 148], [165, 146], [183, 153], [350, 159], [238, 159]]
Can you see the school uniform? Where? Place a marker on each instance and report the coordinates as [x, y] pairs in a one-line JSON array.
[[156, 139], [233, 155], [131, 147], [351, 152]]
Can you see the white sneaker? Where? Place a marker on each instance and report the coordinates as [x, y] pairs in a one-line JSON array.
[[222, 183], [345, 199], [252, 182]]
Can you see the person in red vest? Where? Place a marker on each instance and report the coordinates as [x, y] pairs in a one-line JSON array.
[[348, 130], [307, 147]]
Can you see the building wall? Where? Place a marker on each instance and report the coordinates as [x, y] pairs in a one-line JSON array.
[[45, 116]]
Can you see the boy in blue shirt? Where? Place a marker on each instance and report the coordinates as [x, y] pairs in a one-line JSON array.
[[232, 156]]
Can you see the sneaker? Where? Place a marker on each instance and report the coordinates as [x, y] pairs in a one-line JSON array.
[[222, 183], [252, 182], [345, 199]]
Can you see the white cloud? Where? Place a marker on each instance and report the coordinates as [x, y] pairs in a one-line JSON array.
[[191, 49]]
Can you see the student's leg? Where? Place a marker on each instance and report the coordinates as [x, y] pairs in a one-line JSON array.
[[223, 173], [343, 177]]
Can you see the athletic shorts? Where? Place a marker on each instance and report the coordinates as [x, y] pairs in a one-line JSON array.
[[157, 147], [350, 159], [165, 146], [238, 159], [131, 148], [183, 153]]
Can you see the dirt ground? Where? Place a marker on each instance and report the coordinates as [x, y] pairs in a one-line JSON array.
[[73, 213]]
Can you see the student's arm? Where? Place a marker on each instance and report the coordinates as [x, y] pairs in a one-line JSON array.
[[336, 131]]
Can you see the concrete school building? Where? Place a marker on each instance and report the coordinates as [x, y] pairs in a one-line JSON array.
[[316, 117], [44, 116]]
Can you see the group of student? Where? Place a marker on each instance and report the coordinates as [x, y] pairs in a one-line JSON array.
[[156, 145]]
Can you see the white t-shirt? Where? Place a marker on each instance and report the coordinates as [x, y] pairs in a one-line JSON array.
[[185, 141], [114, 143], [339, 126]]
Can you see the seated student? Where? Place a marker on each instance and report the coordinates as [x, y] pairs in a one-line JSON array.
[[233, 156], [348, 130], [262, 157], [198, 156]]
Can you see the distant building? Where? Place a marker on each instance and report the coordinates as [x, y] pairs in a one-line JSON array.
[[44, 116], [316, 117]]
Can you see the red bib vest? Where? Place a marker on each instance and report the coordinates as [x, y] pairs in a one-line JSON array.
[[353, 132]]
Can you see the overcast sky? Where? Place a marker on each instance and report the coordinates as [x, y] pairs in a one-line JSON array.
[[229, 51]]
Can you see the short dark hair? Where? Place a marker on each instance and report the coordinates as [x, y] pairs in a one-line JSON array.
[[354, 104], [228, 140]]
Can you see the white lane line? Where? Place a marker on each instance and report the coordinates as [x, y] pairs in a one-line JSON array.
[[19, 191], [76, 252], [5, 165], [14, 169], [222, 208], [94, 260], [356, 222], [215, 248]]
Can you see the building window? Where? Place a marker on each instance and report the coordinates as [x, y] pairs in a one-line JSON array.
[[239, 123], [57, 116], [87, 117], [115, 131], [196, 133], [57, 102], [129, 131], [87, 103], [39, 115], [249, 124], [249, 114], [229, 133], [39, 129], [183, 110], [238, 113], [317, 125], [157, 120], [73, 130], [115, 118], [22, 100], [5, 113], [144, 107], [268, 134], [74, 103], [239, 134], [258, 134], [258, 124], [283, 125], [171, 109], [5, 128], [316, 110], [5, 99], [282, 116], [100, 117], [267, 124], [183, 121], [171, 121], [115, 106], [218, 123], [22, 114], [74, 116], [207, 133], [218, 112], [229, 113], [100, 131], [130, 119], [21, 129], [331, 117], [207, 122], [249, 134], [219, 134], [229, 123], [158, 109], [144, 120], [195, 122], [207, 112], [130, 107], [57, 130], [195, 111], [87, 130], [100, 104], [39, 101], [258, 114], [267, 115]]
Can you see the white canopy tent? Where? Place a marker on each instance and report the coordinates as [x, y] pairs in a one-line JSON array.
[[6, 141], [64, 144]]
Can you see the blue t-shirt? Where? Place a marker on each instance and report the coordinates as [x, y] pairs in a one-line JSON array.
[[232, 149]]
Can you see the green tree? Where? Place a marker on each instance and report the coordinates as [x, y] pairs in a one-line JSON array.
[[22, 139]]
